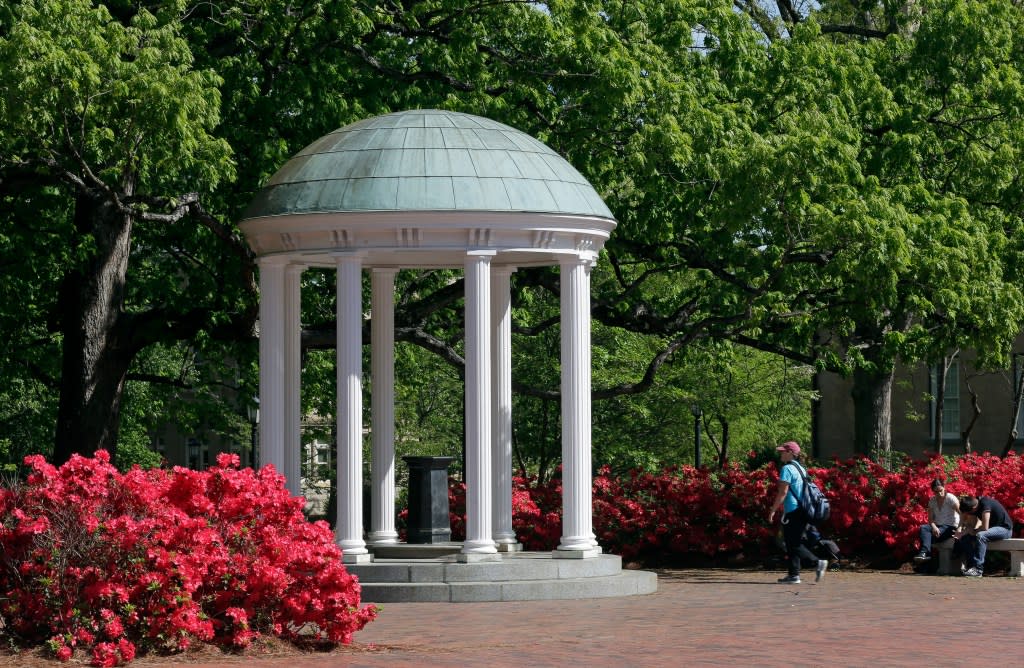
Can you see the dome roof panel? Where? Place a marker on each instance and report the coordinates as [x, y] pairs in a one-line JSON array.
[[596, 203], [533, 166], [496, 139], [386, 138], [563, 170], [364, 124], [432, 193], [423, 138], [427, 160], [401, 162], [287, 173], [392, 121], [460, 138], [349, 140], [333, 191], [452, 161], [568, 196], [476, 194], [371, 195], [361, 164], [525, 194], [525, 143], [489, 163], [320, 145], [468, 122]]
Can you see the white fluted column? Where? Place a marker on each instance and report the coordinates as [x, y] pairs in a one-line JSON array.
[[501, 411], [578, 538], [350, 408], [272, 362], [478, 405], [382, 407], [293, 378]]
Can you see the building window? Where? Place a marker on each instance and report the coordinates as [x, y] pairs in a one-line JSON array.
[[950, 400], [197, 454]]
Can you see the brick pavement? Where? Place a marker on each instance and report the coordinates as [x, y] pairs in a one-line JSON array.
[[704, 618]]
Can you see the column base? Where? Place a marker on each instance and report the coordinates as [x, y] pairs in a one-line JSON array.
[[576, 553], [510, 547], [382, 538], [479, 547], [476, 557], [348, 558]]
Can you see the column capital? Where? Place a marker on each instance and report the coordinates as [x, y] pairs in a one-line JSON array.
[[586, 257], [273, 260], [503, 269], [342, 257]]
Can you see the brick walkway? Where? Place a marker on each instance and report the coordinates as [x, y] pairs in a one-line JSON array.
[[704, 618]]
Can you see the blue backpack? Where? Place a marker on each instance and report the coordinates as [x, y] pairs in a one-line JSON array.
[[812, 500]]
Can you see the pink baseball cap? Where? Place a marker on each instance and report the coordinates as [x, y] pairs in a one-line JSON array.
[[789, 446]]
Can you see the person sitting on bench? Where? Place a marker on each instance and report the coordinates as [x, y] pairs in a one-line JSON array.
[[983, 520], [943, 519]]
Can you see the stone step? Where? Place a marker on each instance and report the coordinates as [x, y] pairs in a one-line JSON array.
[[625, 583], [510, 566], [512, 576], [414, 550]]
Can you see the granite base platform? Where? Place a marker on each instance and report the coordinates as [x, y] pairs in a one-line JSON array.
[[430, 573]]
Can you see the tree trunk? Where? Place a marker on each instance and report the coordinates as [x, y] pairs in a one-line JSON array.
[[965, 435], [939, 400], [872, 410], [1011, 436], [97, 349], [723, 454]]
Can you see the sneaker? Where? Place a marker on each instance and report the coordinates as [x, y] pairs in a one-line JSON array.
[[819, 572], [922, 556], [972, 573], [790, 580]]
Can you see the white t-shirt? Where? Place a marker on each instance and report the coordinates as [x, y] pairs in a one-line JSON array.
[[946, 513]]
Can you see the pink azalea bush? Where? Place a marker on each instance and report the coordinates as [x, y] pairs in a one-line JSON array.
[[112, 564]]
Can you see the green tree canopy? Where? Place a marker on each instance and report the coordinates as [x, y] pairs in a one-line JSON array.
[[836, 182]]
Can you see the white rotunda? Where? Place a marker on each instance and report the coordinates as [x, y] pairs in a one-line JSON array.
[[427, 189]]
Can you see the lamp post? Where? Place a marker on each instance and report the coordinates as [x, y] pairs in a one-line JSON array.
[[253, 411], [697, 412]]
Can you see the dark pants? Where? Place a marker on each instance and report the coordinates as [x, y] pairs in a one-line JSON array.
[[793, 525], [807, 556], [975, 547], [927, 537]]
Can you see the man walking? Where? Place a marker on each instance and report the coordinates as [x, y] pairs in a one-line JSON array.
[[794, 519]]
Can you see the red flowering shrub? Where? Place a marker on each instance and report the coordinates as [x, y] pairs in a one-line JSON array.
[[684, 511], [681, 511], [874, 509], [115, 563]]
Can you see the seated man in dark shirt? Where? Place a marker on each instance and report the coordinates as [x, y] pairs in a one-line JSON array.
[[982, 521]]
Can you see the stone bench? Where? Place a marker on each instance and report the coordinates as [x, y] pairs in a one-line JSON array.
[[1015, 546]]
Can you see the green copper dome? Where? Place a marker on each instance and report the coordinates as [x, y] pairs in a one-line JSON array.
[[427, 160]]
